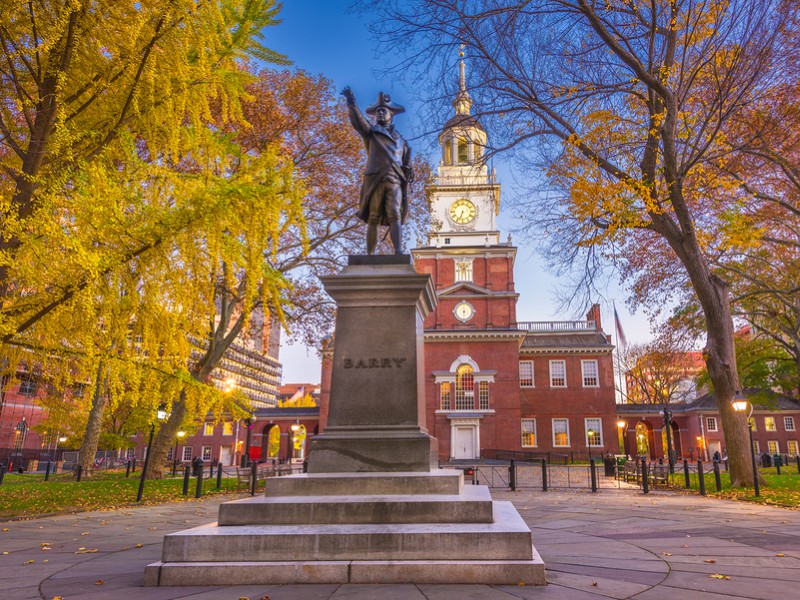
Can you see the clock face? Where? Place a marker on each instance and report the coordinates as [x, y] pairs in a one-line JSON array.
[[462, 211], [464, 311]]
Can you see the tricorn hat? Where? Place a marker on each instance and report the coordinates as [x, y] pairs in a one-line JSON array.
[[385, 101]]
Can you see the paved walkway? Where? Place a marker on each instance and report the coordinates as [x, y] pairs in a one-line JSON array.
[[614, 544]]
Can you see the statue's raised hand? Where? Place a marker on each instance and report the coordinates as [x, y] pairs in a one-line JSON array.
[[348, 94]]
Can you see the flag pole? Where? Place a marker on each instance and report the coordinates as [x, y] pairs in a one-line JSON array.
[[620, 341]]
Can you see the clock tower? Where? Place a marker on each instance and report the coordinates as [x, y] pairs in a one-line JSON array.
[[471, 338]]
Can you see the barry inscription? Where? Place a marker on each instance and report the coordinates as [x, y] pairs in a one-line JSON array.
[[373, 363]]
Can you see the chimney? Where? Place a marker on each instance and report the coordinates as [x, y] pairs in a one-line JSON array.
[[594, 315]]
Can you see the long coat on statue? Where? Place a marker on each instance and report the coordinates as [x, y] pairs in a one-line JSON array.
[[386, 151]]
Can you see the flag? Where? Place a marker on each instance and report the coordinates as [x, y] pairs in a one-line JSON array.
[[620, 334], [301, 391]]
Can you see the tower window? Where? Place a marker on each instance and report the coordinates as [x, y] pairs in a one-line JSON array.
[[463, 269], [462, 150], [465, 388]]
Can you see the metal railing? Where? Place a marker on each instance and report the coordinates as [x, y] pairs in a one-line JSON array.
[[557, 325]]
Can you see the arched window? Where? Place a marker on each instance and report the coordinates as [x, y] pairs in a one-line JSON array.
[[274, 442], [299, 441], [465, 387], [462, 150]]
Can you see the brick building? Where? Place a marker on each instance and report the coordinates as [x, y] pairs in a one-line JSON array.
[[493, 383]]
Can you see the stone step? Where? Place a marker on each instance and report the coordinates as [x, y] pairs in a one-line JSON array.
[[473, 505], [484, 572], [439, 481], [506, 538]]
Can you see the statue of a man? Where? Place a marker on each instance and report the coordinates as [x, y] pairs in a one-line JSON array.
[[384, 191]]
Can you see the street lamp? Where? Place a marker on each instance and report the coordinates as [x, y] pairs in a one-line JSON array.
[[175, 453], [740, 405], [667, 414], [246, 456], [623, 432], [161, 415]]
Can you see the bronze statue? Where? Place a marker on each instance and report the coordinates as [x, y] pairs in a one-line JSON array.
[[384, 191]]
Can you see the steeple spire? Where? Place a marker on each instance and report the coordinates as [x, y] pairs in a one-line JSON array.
[[462, 102]]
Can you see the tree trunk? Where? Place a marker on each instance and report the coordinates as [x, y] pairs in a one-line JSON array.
[[91, 435], [720, 353], [165, 437]]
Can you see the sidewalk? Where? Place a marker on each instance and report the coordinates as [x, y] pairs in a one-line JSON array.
[[614, 544]]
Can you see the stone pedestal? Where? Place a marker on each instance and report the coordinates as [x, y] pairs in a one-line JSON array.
[[376, 419], [373, 507]]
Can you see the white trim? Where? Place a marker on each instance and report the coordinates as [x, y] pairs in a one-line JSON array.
[[522, 433], [599, 430], [553, 432], [593, 361], [563, 362], [462, 360], [532, 374]]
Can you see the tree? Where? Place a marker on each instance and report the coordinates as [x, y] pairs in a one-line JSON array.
[[660, 372], [625, 100], [83, 96]]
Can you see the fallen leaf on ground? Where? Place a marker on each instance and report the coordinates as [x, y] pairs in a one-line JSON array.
[[594, 584], [138, 545], [781, 554], [710, 560], [666, 553], [99, 582], [29, 562], [719, 576], [85, 551]]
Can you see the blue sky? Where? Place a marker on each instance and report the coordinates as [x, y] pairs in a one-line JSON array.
[[323, 36]]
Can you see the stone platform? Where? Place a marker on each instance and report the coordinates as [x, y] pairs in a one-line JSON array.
[[356, 528]]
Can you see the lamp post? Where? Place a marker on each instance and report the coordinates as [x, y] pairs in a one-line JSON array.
[[668, 424], [246, 456], [161, 414], [589, 438], [175, 453], [295, 428], [740, 404], [623, 432]]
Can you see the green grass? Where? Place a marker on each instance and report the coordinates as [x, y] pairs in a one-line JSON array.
[[783, 489], [26, 495]]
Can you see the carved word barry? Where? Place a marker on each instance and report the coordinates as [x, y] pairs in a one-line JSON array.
[[374, 363]]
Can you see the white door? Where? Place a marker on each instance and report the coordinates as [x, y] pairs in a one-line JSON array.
[[714, 447], [225, 455], [465, 443]]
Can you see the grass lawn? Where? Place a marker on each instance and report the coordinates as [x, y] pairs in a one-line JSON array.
[[24, 495], [783, 489]]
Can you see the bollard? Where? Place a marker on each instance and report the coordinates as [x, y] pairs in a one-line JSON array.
[[593, 472], [717, 478], [544, 475], [512, 476], [79, 472], [128, 468], [47, 472], [645, 480], [253, 478], [211, 471], [2, 473], [186, 472], [219, 476], [701, 477], [778, 467], [686, 473], [797, 460], [133, 468], [198, 491]]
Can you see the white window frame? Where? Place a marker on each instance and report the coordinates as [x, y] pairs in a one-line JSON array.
[[553, 424], [588, 376], [446, 395], [170, 450], [711, 424], [530, 429], [767, 427], [793, 444], [229, 426], [788, 423], [756, 447], [599, 431], [483, 395], [463, 270], [554, 363], [187, 456], [206, 452], [208, 429], [777, 447], [523, 377]]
